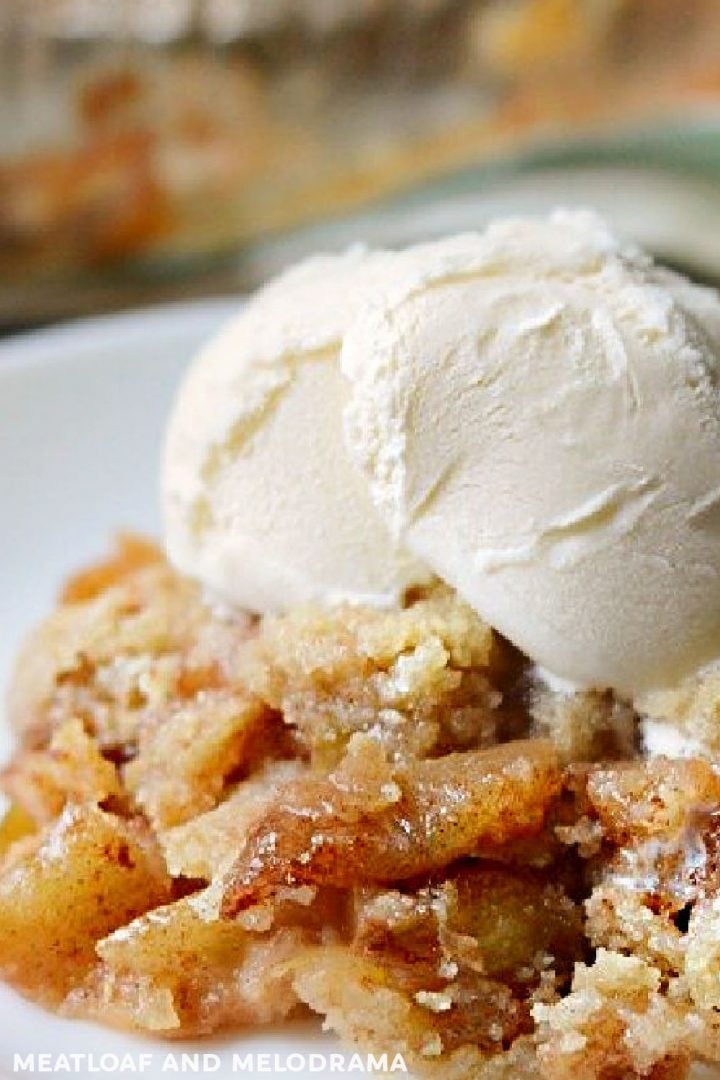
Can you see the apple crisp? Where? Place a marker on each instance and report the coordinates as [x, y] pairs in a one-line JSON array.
[[217, 821]]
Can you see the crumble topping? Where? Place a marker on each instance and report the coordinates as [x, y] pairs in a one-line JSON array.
[[378, 815]]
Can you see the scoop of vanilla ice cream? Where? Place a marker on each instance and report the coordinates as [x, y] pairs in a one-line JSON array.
[[261, 502], [538, 420]]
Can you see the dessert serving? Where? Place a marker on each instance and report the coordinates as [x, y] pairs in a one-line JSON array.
[[413, 719]]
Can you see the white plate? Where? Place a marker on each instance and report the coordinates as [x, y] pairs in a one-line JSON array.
[[82, 411]]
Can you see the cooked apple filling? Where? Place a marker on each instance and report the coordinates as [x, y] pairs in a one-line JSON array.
[[218, 821]]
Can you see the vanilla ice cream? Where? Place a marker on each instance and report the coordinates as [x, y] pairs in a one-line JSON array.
[[261, 502], [531, 413], [538, 419]]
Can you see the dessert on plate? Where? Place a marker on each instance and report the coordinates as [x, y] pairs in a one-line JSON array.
[[413, 720]]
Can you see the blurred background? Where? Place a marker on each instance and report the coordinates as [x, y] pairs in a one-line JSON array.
[[163, 149]]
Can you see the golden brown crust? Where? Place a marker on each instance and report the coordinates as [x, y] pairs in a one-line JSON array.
[[341, 809], [132, 553]]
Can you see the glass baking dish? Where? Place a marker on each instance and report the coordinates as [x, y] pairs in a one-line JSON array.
[[148, 146]]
